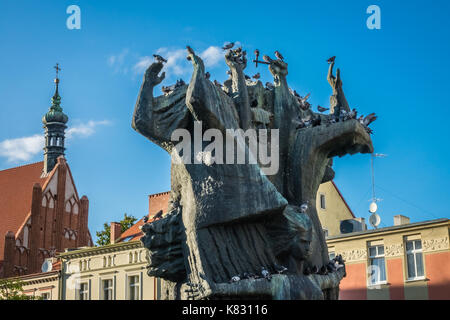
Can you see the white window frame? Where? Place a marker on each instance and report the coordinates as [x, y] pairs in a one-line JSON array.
[[111, 288], [49, 293], [79, 291], [139, 285], [414, 251], [376, 256]]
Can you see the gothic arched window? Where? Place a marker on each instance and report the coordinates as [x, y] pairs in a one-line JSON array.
[[26, 232]]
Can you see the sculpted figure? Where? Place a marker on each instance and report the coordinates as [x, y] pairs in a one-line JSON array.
[[291, 236], [230, 226], [338, 101]]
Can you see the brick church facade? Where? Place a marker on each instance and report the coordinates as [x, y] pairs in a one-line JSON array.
[[41, 212]]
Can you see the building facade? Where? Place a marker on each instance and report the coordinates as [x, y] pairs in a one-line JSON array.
[[44, 285], [112, 272], [402, 262], [116, 271]]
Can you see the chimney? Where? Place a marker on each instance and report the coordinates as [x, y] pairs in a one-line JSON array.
[[83, 238], [116, 231], [400, 220]]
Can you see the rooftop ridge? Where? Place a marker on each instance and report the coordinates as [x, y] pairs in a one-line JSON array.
[[158, 194], [21, 166]]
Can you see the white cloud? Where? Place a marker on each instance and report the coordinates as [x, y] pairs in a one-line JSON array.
[[23, 149], [177, 64], [142, 64], [176, 61], [212, 56], [117, 61], [85, 129]]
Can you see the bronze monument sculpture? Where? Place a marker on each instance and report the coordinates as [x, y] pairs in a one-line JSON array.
[[232, 231]]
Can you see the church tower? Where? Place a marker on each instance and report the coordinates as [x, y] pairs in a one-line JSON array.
[[54, 124]]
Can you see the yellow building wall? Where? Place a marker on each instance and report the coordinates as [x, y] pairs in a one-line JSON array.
[[335, 208]]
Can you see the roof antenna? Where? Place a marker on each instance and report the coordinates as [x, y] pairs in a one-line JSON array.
[[374, 219]]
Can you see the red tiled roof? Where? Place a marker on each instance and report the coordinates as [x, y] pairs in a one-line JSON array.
[[56, 265], [16, 188], [156, 202]]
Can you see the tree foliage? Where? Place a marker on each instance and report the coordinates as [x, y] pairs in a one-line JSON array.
[[104, 236], [12, 289]]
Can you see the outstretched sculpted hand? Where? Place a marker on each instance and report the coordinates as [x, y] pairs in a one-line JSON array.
[[278, 68], [236, 59], [196, 61], [151, 74], [334, 82]]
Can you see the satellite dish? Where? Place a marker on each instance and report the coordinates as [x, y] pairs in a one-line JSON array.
[[47, 266], [375, 220], [373, 207]]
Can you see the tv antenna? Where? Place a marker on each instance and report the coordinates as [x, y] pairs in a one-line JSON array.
[[374, 219]]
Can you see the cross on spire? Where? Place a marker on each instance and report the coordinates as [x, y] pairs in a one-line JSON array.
[[57, 69]]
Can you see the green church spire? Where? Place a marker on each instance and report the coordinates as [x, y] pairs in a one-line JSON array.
[[54, 124]]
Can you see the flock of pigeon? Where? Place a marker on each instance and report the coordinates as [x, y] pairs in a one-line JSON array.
[[168, 90], [307, 122], [313, 121], [333, 266], [239, 54], [264, 274]]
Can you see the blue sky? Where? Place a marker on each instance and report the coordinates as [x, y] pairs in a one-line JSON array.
[[401, 72]]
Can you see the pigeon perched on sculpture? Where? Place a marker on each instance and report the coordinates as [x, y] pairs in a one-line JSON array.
[[278, 55], [228, 46], [322, 109], [159, 58]]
